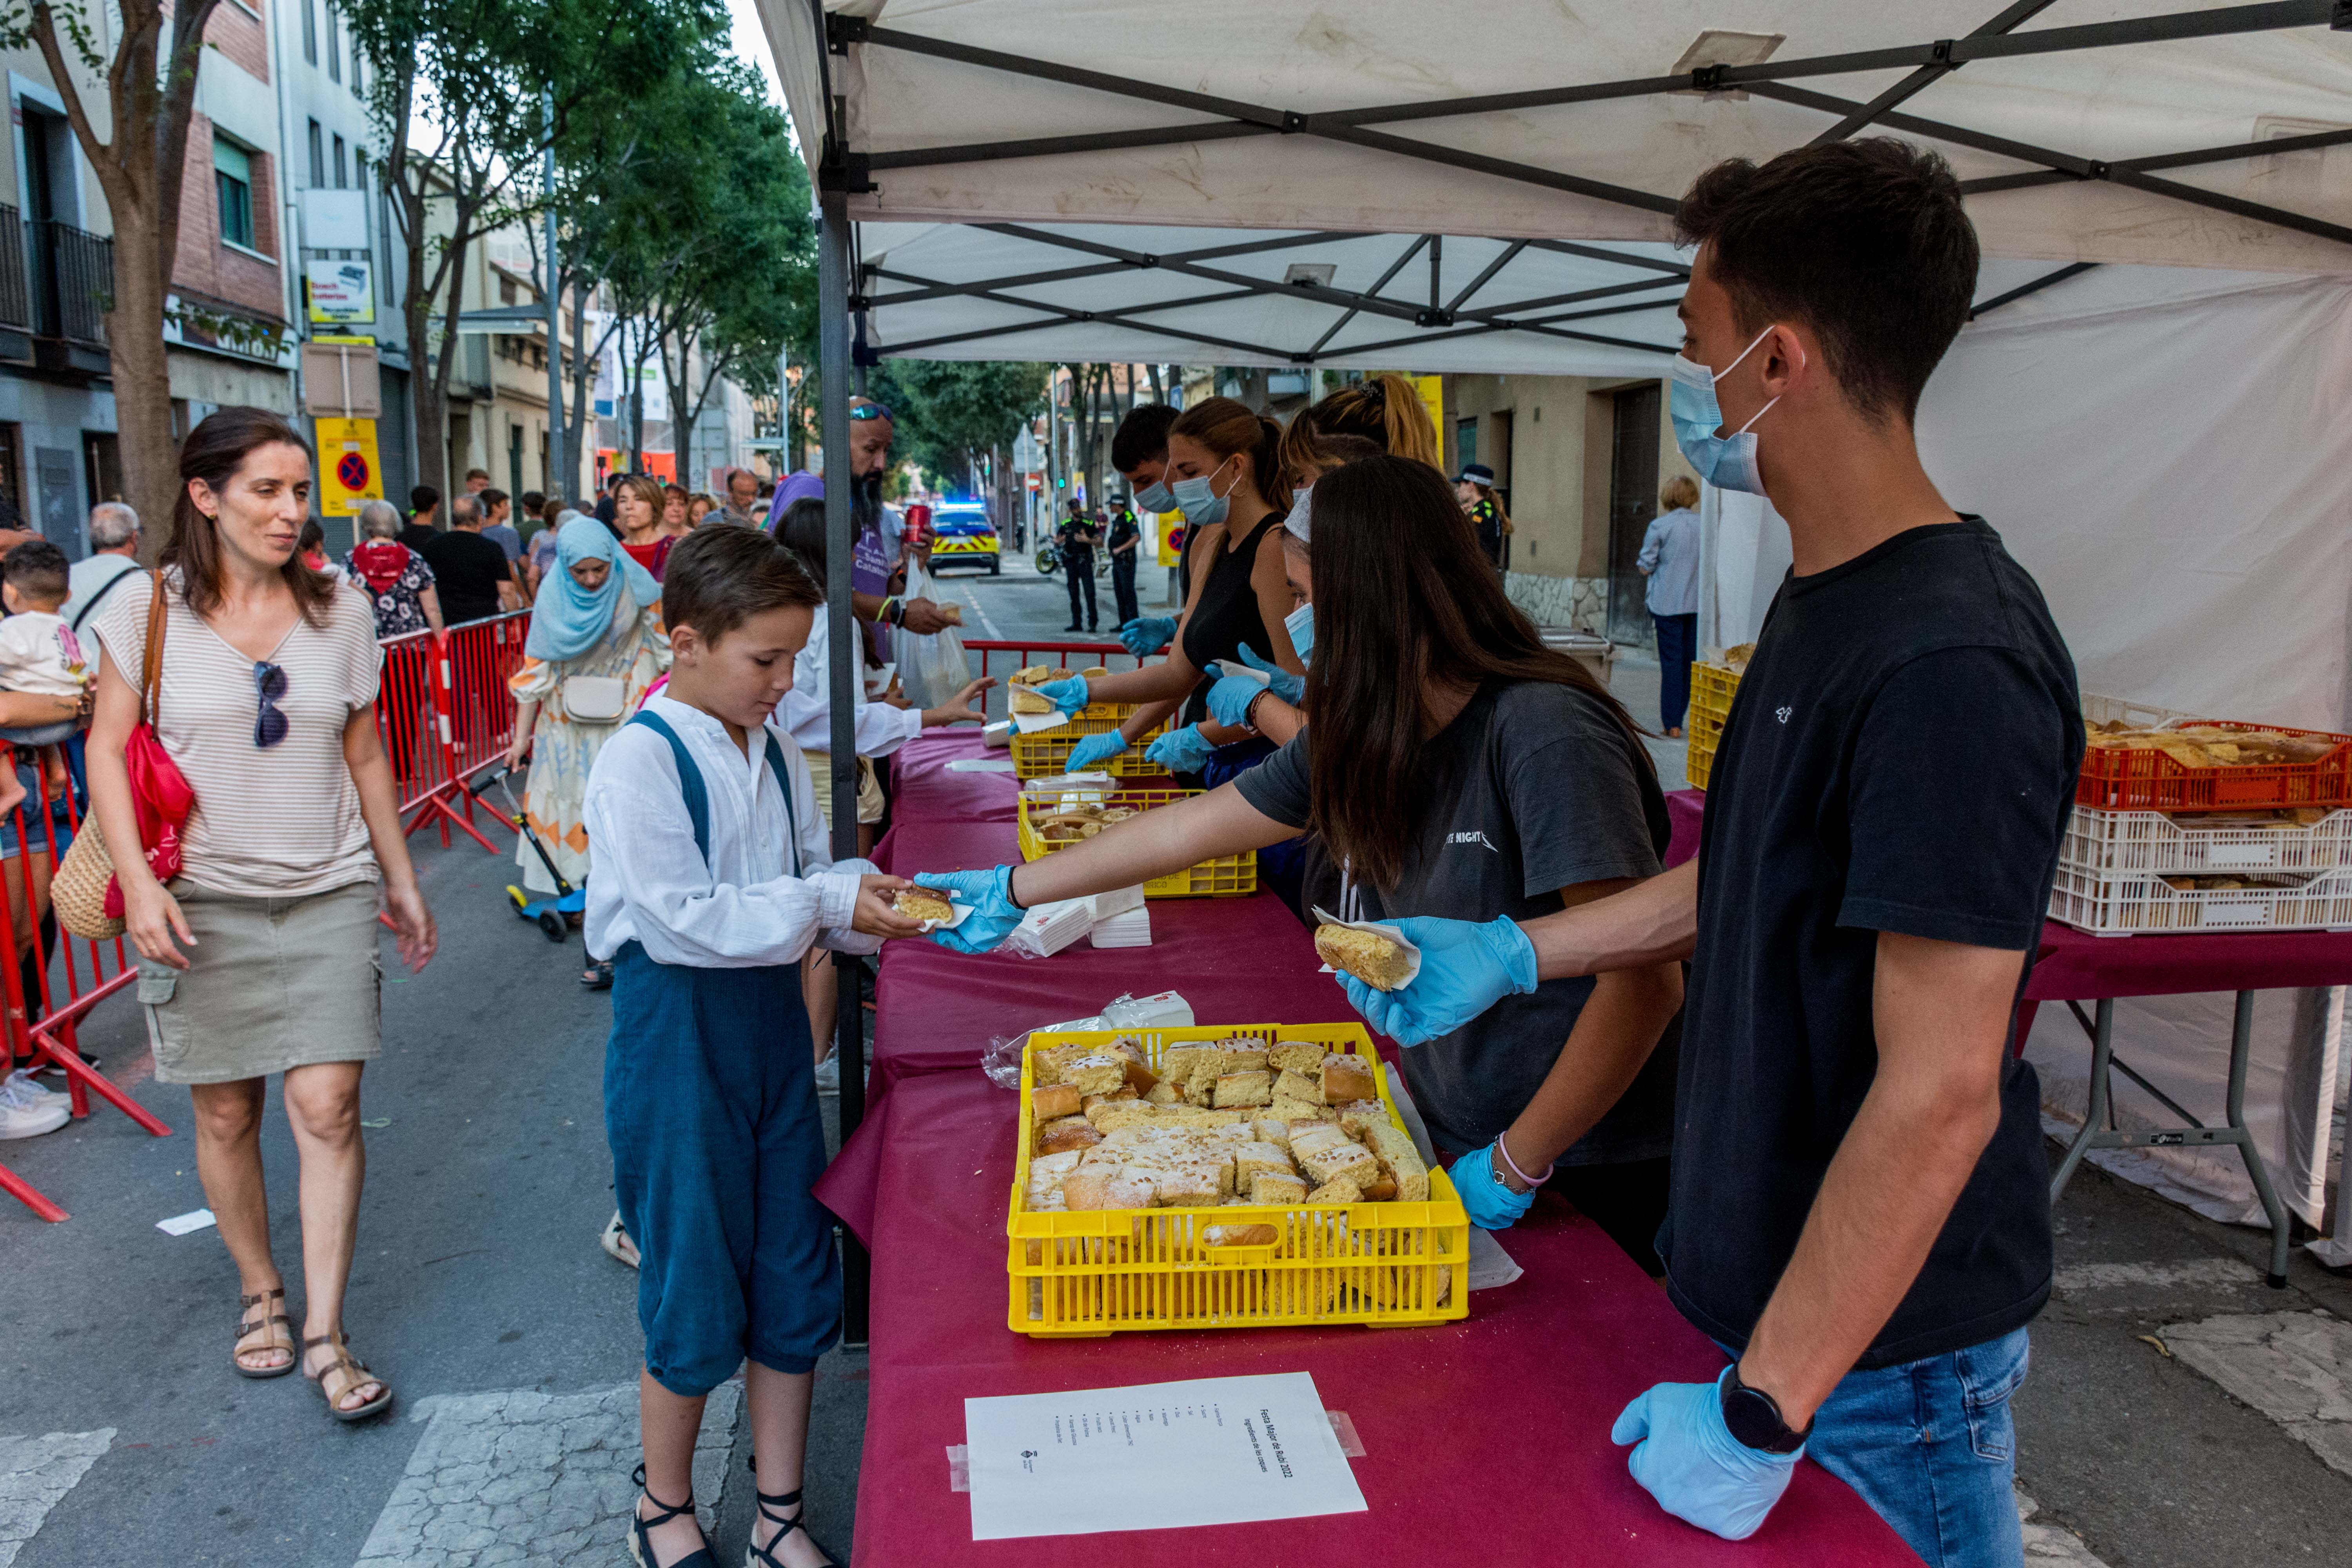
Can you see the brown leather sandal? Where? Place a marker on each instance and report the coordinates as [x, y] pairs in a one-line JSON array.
[[273, 1338], [354, 1376]]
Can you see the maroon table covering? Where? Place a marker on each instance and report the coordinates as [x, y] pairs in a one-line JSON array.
[[922, 790], [1486, 1441], [1684, 809], [2075, 965]]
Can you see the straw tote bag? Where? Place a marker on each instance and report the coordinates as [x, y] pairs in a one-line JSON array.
[[87, 898]]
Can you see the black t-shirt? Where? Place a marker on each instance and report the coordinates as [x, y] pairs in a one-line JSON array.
[[417, 535], [1535, 787], [1123, 530], [1901, 757], [467, 570]]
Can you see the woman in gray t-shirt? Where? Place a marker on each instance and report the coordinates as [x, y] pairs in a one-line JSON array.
[[1515, 783]]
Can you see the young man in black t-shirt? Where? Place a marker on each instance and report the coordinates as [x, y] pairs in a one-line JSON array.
[[1858, 1211]]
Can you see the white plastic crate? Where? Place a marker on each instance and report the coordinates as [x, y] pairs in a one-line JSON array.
[[2107, 843], [2099, 709], [2134, 902]]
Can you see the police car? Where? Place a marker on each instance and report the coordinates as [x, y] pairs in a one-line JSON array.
[[960, 536]]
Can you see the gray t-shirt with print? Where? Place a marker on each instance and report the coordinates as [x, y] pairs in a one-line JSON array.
[[1534, 787]]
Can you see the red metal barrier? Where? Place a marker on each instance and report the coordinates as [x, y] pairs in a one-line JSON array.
[[447, 715], [83, 974], [1074, 654]]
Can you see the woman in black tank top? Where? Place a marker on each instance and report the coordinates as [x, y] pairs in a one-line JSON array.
[[1224, 466]]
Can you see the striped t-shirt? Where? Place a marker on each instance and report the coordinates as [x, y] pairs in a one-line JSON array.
[[269, 823]]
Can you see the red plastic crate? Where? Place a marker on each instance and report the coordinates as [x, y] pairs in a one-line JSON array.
[[2116, 780]]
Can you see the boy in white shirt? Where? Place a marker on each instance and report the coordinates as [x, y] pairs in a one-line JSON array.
[[712, 880], [39, 651]]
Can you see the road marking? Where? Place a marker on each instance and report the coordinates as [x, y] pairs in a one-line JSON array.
[[34, 1473], [971, 600], [2077, 1279], [521, 1478], [2052, 1544], [2293, 1367]]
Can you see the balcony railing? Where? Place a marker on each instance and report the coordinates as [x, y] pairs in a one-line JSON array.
[[72, 282], [16, 300]]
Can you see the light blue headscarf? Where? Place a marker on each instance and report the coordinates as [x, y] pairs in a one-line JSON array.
[[566, 619]]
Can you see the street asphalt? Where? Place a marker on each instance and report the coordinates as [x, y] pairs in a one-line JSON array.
[[480, 1294]]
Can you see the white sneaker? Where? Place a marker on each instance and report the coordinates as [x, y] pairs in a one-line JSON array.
[[828, 1076], [22, 1117], [22, 1087]]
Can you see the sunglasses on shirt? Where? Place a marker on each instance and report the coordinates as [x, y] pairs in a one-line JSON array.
[[270, 722]]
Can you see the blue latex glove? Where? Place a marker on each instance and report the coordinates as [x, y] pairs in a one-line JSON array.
[[1289, 687], [1096, 749], [1148, 634], [989, 896], [1684, 1457], [1229, 700], [1490, 1205], [1068, 694], [1183, 751], [1467, 966]]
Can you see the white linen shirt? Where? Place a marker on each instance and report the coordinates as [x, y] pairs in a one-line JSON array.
[[806, 713], [744, 910]]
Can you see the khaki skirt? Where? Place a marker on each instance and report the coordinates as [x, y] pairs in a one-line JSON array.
[[271, 983]]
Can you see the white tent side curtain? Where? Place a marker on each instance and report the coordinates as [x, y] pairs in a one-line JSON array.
[[2085, 130]]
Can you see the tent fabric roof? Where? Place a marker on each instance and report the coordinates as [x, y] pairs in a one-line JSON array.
[[2087, 131]]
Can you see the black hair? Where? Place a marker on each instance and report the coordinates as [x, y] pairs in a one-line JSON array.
[[717, 578], [801, 531], [533, 501], [39, 569], [1141, 437], [311, 537], [491, 499], [422, 499], [1865, 242]]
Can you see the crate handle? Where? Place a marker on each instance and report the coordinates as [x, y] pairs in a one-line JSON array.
[[1246, 1252]]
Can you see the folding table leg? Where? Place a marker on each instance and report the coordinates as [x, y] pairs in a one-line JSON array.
[[2095, 1114], [849, 1046], [2241, 1031]]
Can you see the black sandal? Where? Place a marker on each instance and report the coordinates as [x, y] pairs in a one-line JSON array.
[[641, 1543], [597, 976], [755, 1556]]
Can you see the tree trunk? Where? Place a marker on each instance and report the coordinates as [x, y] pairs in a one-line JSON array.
[[460, 239], [142, 382]]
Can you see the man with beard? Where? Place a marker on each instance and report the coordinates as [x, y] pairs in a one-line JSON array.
[[875, 530]]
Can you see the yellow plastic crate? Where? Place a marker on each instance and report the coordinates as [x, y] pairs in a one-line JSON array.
[[1087, 1275], [1704, 733], [1226, 877], [1712, 686], [1046, 755]]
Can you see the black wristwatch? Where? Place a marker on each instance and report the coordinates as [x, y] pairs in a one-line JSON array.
[[1754, 1418]]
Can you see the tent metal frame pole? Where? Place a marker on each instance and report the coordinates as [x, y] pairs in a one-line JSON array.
[[1380, 283], [841, 630], [2068, 163], [1929, 61], [2074, 270], [1063, 312], [2016, 16], [1033, 280]]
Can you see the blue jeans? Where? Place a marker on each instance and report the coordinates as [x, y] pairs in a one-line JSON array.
[[1932, 1448], [1677, 646]]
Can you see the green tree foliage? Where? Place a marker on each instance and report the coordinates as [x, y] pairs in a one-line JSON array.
[[952, 413]]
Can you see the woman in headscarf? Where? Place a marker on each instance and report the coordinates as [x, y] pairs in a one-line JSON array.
[[596, 645]]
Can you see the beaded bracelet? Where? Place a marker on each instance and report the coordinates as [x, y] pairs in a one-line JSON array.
[[1532, 1182]]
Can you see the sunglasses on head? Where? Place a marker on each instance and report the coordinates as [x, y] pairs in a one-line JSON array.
[[866, 408], [269, 721]]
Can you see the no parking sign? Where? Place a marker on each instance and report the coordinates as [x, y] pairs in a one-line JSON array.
[[348, 470]]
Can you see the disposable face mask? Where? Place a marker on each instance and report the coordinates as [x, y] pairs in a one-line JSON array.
[[1198, 502], [1154, 497], [1300, 624], [1727, 462], [1301, 518]]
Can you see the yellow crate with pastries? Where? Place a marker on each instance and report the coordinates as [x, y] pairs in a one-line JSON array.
[[1238, 1177], [1046, 754], [1047, 825]]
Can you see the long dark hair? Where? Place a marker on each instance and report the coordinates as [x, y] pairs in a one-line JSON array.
[[214, 452], [1404, 601]]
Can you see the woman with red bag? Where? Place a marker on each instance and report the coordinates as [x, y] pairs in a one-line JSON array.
[[258, 952]]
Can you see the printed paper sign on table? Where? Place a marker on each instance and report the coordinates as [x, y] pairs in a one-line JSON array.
[[1158, 1455]]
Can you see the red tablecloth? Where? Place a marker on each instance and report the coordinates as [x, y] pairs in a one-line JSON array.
[[1486, 1441], [2075, 965], [922, 790]]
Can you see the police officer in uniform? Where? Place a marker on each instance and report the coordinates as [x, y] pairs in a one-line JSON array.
[[1126, 544], [1075, 540], [1476, 487]]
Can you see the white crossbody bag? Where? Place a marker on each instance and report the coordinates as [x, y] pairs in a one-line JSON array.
[[594, 699]]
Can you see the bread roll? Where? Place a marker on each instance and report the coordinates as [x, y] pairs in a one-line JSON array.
[[1366, 954], [924, 904]]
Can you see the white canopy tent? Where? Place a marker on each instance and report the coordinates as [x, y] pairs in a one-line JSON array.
[[2154, 403]]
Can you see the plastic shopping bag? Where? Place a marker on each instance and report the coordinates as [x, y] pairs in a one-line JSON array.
[[933, 668]]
